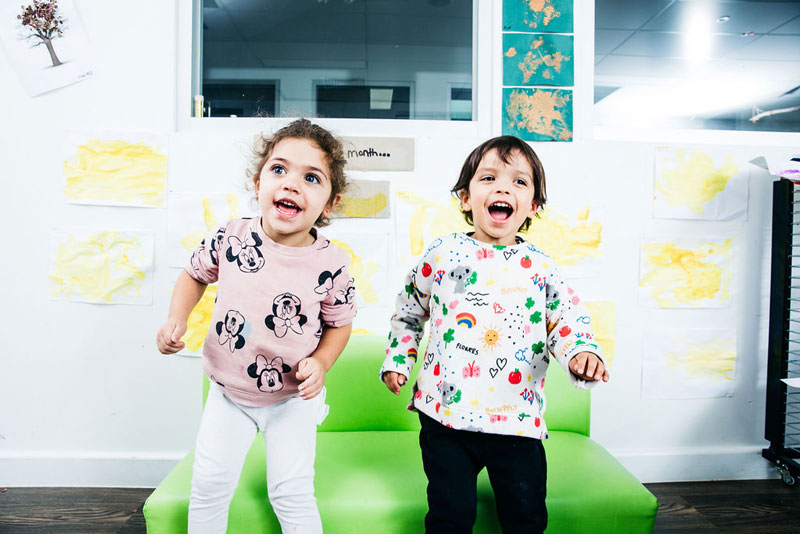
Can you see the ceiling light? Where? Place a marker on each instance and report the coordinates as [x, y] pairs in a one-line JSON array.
[[723, 18], [697, 35]]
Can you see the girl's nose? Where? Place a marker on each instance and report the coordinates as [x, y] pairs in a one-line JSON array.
[[290, 184]]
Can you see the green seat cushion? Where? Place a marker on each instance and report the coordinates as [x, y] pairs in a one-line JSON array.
[[374, 482]]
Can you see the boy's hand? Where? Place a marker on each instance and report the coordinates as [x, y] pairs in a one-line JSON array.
[[169, 336], [588, 366], [394, 381], [312, 374]]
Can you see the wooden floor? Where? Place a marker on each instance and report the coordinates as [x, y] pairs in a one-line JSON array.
[[733, 507]]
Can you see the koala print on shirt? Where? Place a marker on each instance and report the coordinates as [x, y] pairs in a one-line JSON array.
[[286, 315], [245, 253], [460, 275]]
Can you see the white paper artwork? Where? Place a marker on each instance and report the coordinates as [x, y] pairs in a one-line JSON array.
[[102, 266], [192, 216], [693, 184], [46, 43], [688, 364]]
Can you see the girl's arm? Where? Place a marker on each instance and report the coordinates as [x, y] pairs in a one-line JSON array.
[[312, 370], [185, 296]]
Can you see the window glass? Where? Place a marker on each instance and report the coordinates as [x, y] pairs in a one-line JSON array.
[[398, 59], [710, 64]]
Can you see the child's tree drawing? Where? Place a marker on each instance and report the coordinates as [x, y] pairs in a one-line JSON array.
[[43, 22]]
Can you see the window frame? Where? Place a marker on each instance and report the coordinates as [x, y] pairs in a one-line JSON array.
[[485, 92]]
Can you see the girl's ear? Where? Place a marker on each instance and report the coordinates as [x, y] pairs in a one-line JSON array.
[[534, 208], [332, 205], [256, 183], [464, 196]]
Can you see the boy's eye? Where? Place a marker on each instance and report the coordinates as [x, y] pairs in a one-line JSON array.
[[278, 169], [312, 178], [487, 179], [520, 181]]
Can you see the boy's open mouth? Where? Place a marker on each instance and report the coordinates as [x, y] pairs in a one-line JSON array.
[[287, 207], [500, 211]]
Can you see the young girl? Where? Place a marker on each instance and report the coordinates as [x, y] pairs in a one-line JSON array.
[[497, 306], [282, 316]]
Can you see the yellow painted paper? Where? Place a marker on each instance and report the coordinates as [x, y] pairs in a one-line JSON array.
[[677, 276], [362, 273], [364, 206], [604, 326], [714, 360], [200, 320], [694, 181], [431, 219], [362, 332], [116, 172], [103, 267], [192, 239], [566, 243]]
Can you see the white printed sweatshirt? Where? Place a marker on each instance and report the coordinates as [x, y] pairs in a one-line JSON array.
[[495, 315]]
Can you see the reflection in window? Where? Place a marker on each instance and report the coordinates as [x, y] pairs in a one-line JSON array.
[[698, 64], [398, 59]]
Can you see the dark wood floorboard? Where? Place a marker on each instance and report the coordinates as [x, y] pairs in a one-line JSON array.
[[732, 507]]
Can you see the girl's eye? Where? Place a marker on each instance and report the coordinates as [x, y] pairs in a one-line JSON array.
[[312, 178], [278, 169], [520, 181], [487, 179]]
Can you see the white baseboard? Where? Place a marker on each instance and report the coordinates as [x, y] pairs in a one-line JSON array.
[[119, 471], [740, 463], [138, 471]]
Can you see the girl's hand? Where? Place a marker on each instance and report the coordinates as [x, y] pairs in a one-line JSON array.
[[312, 374], [588, 366], [394, 381], [169, 336]]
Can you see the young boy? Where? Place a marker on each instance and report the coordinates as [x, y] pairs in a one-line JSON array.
[[497, 306]]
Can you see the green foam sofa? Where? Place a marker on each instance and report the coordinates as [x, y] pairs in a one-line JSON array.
[[369, 476]]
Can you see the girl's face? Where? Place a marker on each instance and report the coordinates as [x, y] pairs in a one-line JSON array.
[[500, 196], [292, 190]]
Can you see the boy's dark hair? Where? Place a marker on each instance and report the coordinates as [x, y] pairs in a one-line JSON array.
[[325, 141], [505, 146]]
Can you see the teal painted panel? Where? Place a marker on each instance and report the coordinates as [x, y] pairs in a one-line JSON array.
[[538, 16], [538, 59], [537, 114]]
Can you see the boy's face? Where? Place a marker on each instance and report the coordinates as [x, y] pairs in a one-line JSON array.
[[500, 196], [292, 190]]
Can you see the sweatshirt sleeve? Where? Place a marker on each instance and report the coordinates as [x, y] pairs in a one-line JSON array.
[[569, 328], [408, 322], [339, 307], [204, 262]]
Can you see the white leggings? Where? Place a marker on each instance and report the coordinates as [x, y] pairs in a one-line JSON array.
[[226, 434]]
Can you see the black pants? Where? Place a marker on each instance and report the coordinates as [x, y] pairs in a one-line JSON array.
[[452, 460]]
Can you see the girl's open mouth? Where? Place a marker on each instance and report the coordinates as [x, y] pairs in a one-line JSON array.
[[500, 211], [287, 207]]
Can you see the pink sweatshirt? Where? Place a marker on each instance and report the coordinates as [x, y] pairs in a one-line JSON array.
[[272, 303]]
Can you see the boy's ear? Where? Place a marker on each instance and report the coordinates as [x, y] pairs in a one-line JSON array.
[[464, 196], [534, 209], [329, 209]]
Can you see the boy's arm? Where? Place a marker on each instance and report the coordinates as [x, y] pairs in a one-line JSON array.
[[185, 296], [312, 370], [408, 322], [569, 334]]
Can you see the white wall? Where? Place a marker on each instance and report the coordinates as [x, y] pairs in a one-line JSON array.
[[85, 398]]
